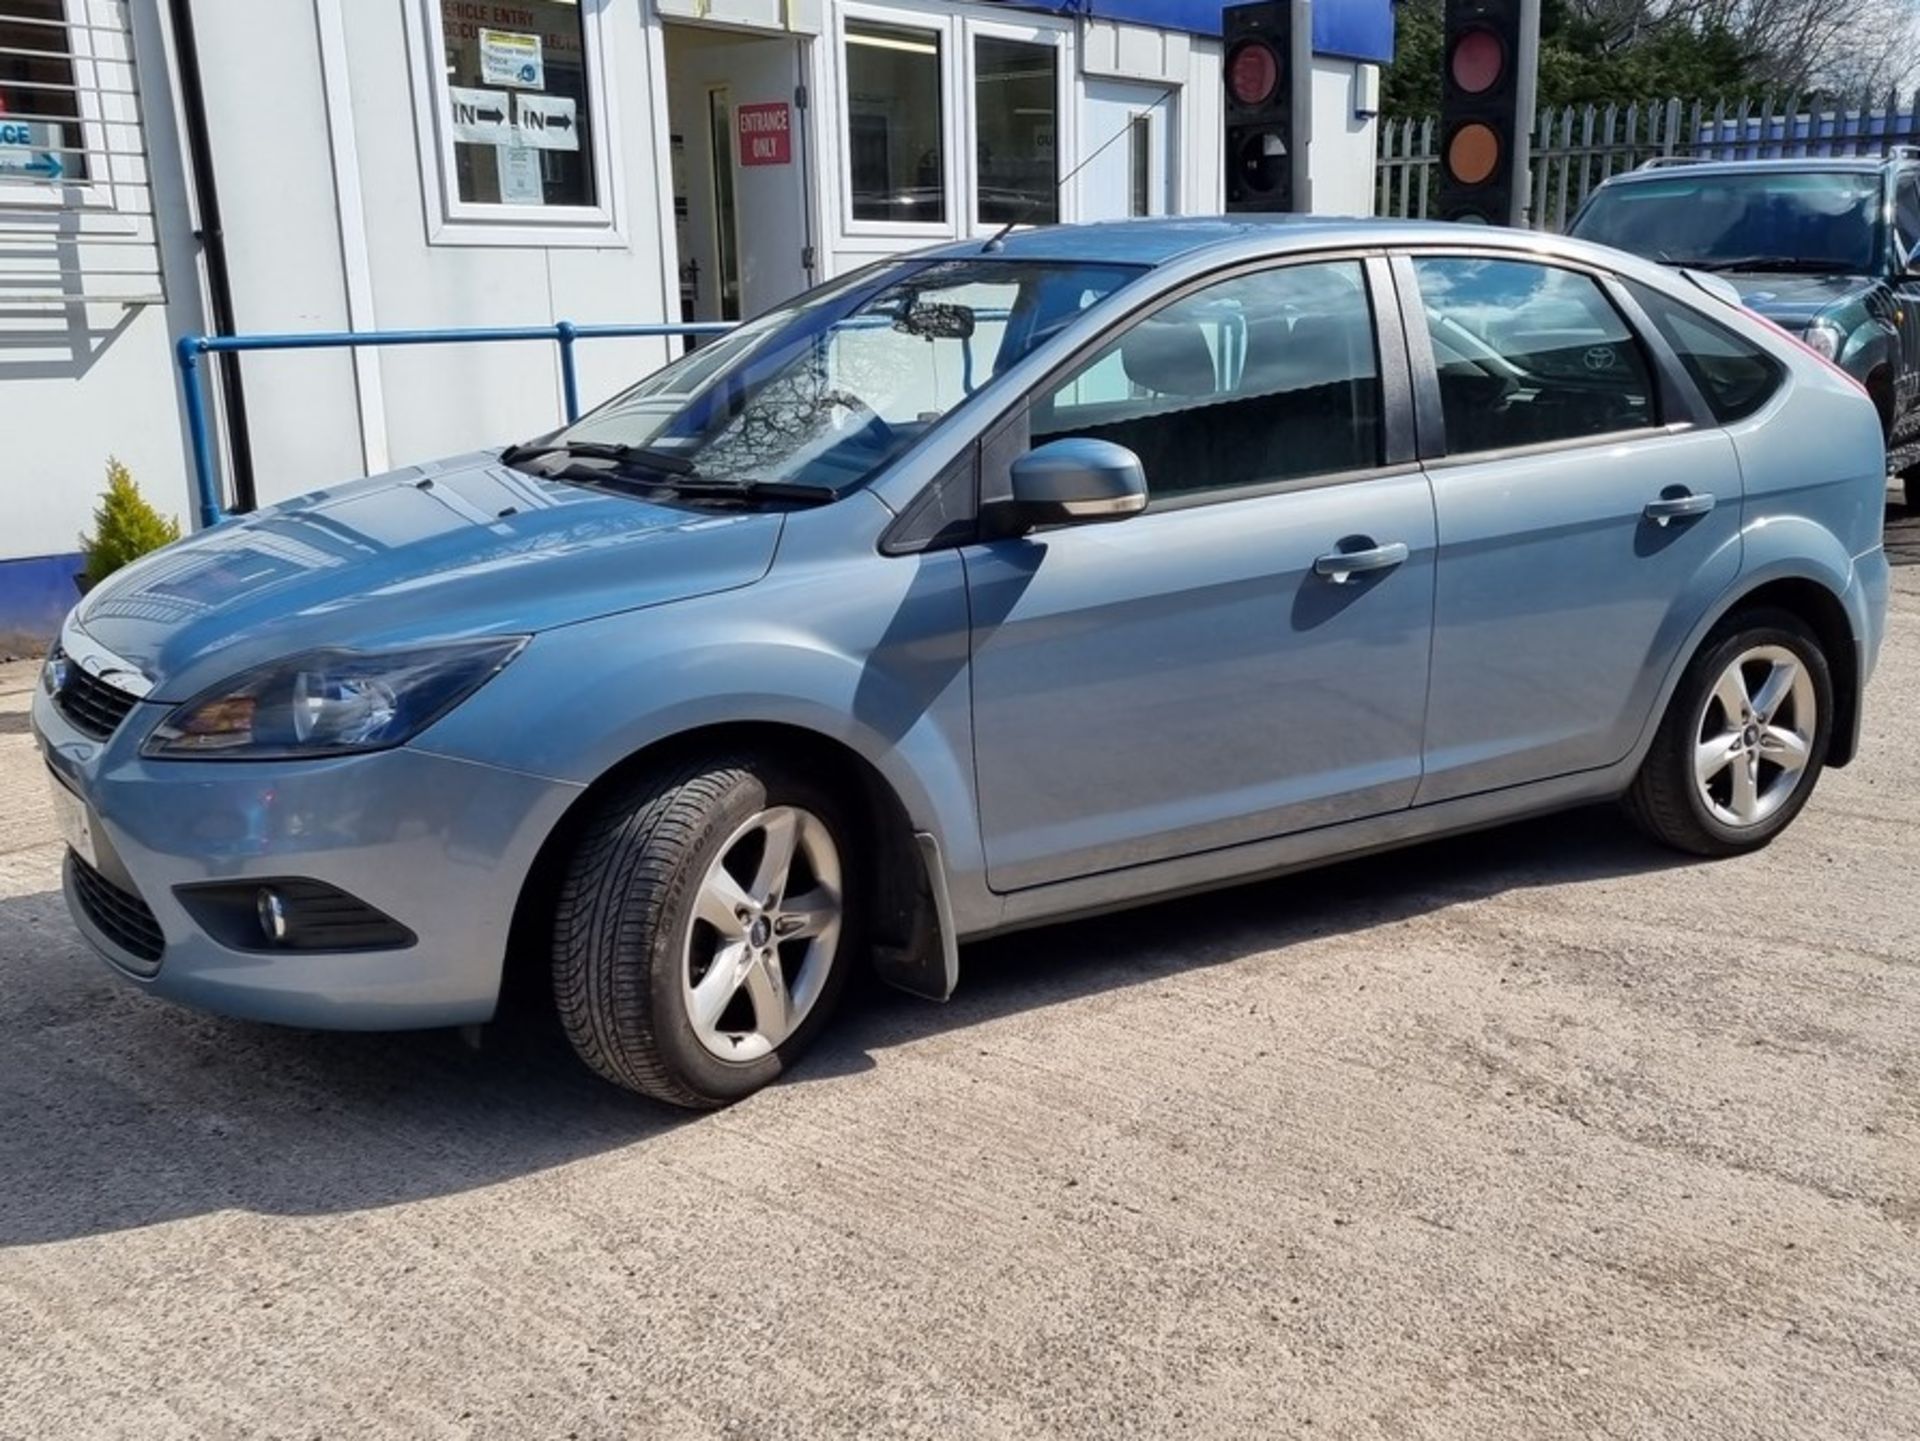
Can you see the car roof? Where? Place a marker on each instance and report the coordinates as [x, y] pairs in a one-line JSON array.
[[1158, 240]]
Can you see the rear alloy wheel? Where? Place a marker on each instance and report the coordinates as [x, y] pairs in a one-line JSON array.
[[705, 927], [1743, 741]]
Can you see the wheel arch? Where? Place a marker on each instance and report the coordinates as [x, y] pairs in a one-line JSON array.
[[1815, 601], [908, 941], [1826, 614]]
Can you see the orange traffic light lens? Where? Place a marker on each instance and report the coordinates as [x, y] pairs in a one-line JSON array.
[[1477, 60], [1473, 154], [1253, 73]]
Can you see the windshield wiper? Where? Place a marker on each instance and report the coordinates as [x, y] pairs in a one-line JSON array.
[[690, 488], [660, 460], [1799, 263]]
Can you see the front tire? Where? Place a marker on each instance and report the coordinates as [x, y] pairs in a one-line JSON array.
[[1743, 741], [705, 928]]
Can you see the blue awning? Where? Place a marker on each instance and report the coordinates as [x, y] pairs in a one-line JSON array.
[[1352, 29]]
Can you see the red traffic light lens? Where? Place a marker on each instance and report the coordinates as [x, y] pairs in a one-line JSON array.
[[1253, 73], [1473, 154], [1477, 61]]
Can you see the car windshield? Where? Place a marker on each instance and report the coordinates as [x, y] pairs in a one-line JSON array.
[[1776, 220], [825, 392]]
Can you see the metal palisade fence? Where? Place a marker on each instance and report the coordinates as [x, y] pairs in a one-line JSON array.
[[1579, 146]]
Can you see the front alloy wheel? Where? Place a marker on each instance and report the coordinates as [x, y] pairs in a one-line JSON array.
[[706, 927], [763, 934]]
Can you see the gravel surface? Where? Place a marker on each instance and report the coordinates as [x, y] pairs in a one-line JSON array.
[[1542, 1133]]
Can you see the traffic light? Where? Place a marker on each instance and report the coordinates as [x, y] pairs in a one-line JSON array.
[[1269, 85], [1490, 59]]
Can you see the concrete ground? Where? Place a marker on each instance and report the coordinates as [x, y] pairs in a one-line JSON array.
[[1544, 1133]]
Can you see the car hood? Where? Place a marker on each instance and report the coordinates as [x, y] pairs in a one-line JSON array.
[[460, 548], [1794, 300]]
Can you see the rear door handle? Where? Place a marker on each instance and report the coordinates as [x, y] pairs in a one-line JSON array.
[[1684, 506], [1341, 566]]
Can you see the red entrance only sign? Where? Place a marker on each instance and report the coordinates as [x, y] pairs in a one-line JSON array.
[[766, 133]]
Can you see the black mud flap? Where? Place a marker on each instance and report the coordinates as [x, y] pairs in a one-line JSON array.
[[914, 946]]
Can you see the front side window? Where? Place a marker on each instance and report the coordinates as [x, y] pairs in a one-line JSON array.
[[1016, 102], [895, 147], [831, 389], [516, 87], [1734, 375], [1256, 380], [1529, 354], [39, 102], [1811, 220]]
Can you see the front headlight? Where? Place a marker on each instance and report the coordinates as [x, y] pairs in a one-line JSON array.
[[329, 702], [1825, 339]]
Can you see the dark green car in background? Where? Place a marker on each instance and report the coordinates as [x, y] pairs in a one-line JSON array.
[[1823, 247]]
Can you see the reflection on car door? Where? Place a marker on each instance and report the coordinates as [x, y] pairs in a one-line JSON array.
[[1200, 675], [1568, 575]]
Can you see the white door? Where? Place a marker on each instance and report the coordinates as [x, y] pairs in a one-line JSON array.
[[1134, 173]]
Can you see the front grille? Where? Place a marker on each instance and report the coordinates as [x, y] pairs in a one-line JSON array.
[[121, 915], [90, 703]]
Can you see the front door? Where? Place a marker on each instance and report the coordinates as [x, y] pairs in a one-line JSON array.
[[1210, 672], [1572, 567]]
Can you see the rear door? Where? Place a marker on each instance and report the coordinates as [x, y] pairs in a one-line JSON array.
[[1584, 523]]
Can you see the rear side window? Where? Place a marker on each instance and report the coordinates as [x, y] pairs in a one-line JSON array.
[[1529, 354], [1735, 376]]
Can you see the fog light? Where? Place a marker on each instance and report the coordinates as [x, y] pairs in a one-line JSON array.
[[272, 911]]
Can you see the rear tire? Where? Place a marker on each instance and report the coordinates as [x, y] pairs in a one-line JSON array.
[[1743, 741], [705, 929]]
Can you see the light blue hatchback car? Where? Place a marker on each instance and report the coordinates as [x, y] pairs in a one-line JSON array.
[[984, 587]]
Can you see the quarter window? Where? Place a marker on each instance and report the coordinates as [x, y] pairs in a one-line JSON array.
[[895, 153], [1529, 354], [1736, 377], [1256, 380]]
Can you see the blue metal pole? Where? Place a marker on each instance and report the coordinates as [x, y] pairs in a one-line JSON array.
[[569, 381], [206, 486]]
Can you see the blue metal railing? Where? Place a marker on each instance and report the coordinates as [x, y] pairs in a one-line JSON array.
[[189, 348]]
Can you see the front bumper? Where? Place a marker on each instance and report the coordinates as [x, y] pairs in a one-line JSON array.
[[439, 844]]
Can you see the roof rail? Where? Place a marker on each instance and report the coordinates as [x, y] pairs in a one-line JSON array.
[[1661, 162]]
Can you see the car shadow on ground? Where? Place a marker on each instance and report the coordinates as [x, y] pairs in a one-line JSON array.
[[119, 1111]]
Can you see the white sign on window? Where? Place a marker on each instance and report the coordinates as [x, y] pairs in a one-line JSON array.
[[547, 122], [481, 117], [28, 149], [520, 180], [509, 57]]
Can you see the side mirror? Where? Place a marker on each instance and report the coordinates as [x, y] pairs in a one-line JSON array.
[[1072, 482]]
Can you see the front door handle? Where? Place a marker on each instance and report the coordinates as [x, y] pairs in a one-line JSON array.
[[1682, 505], [1341, 566]]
